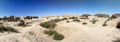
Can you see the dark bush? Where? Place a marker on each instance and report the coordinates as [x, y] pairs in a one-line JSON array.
[[83, 18], [57, 20], [73, 17], [48, 24], [76, 20], [0, 18], [118, 40], [1, 23], [104, 24], [22, 23], [58, 37], [64, 18], [50, 32], [67, 21], [8, 29], [84, 23], [102, 15], [28, 17], [118, 25], [93, 21]]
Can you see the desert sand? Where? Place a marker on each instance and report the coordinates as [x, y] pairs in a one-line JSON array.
[[73, 31]]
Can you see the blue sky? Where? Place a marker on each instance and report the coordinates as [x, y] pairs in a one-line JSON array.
[[57, 7]]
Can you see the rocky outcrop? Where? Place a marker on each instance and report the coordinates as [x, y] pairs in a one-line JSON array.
[[115, 16], [102, 15]]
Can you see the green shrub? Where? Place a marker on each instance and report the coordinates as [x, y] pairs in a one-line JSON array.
[[64, 18], [50, 32], [48, 24], [93, 21], [104, 24], [67, 21], [73, 17], [22, 23], [76, 20], [8, 29], [58, 37], [57, 20], [84, 23], [83, 18]]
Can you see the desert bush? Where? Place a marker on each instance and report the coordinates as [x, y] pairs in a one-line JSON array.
[[73, 17], [50, 32], [109, 18], [1, 23], [93, 21], [64, 18], [76, 20], [22, 23], [102, 15], [118, 40], [0, 18], [67, 21], [8, 29], [83, 18], [58, 37], [104, 24], [84, 23], [57, 20], [118, 25], [48, 24]]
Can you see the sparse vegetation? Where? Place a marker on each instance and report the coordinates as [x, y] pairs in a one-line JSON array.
[[67, 21], [118, 25], [104, 24], [109, 18], [57, 20], [8, 29], [73, 17], [48, 24], [76, 20], [64, 18], [118, 40], [58, 37], [84, 23], [83, 18], [50, 32], [93, 21], [22, 23]]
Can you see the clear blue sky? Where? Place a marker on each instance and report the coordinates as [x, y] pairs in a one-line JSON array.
[[57, 7]]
